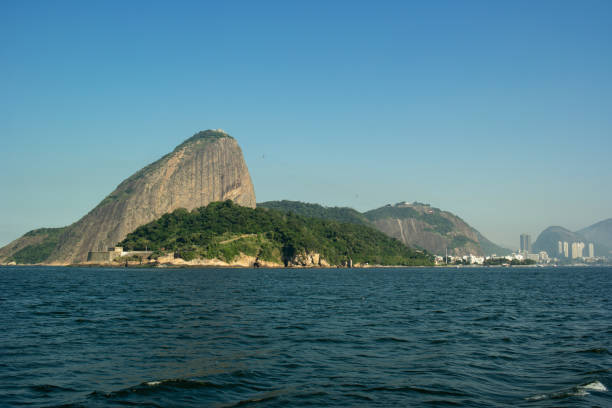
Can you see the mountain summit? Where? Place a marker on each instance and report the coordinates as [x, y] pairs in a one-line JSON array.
[[207, 167]]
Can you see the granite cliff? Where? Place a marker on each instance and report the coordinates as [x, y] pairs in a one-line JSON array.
[[207, 167]]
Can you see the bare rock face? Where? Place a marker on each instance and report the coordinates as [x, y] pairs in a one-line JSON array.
[[207, 167], [310, 259], [422, 226]]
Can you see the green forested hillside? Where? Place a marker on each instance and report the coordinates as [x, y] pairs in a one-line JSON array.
[[223, 230], [340, 214], [39, 244], [417, 225]]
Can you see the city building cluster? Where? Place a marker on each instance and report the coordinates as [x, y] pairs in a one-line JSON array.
[[577, 251], [512, 259], [574, 250]]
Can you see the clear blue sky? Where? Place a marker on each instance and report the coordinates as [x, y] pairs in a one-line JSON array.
[[500, 112]]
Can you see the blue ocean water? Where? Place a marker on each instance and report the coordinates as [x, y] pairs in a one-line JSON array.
[[478, 337]]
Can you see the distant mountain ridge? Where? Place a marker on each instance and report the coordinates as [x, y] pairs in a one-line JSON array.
[[600, 234], [207, 167], [416, 225]]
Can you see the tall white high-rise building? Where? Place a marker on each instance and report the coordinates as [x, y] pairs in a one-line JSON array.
[[565, 249], [560, 252], [577, 248], [591, 250]]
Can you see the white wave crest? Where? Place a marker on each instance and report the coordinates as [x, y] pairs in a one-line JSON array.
[[578, 391], [559, 395], [594, 386]]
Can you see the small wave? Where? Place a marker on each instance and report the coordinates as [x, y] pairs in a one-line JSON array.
[[577, 391], [496, 316], [359, 396], [311, 394], [291, 365], [594, 386], [291, 327], [391, 339], [150, 387], [559, 395], [420, 391], [602, 371], [438, 403], [255, 336], [46, 388], [328, 340], [253, 401], [353, 385], [597, 350]]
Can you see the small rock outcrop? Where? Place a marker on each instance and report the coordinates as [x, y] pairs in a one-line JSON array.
[[308, 260]]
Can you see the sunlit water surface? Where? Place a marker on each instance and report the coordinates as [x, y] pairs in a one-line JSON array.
[[259, 337]]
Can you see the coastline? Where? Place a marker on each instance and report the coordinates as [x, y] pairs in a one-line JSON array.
[[269, 265]]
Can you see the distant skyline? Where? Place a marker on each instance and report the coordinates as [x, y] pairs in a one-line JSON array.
[[500, 112]]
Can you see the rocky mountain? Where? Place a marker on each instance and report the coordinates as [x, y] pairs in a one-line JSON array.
[[416, 225], [422, 226], [207, 167]]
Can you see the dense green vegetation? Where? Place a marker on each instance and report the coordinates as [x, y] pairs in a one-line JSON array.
[[224, 230], [39, 252], [340, 214], [436, 220], [459, 241]]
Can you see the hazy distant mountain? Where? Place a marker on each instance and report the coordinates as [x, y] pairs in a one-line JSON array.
[[598, 234], [601, 233], [416, 225], [549, 238], [206, 167]]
